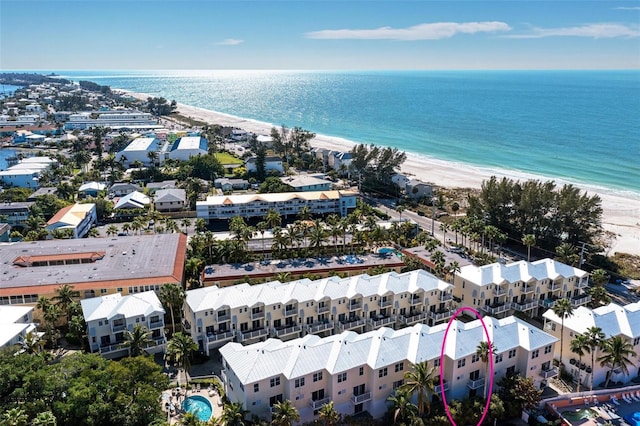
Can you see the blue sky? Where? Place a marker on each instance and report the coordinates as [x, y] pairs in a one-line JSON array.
[[327, 34]]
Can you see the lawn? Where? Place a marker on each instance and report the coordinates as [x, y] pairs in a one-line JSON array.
[[226, 158]]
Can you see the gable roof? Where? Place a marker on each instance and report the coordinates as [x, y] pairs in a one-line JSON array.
[[112, 305], [168, 195]]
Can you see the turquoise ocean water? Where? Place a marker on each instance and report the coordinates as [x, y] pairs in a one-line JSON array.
[[577, 126]]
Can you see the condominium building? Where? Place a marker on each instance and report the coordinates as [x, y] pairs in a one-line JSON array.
[[244, 313], [499, 290], [286, 203], [614, 320], [358, 372], [77, 218], [108, 317], [15, 323]]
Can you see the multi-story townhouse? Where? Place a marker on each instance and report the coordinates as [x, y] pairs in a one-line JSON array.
[[214, 316], [15, 323], [285, 203], [614, 320], [108, 317], [358, 372], [499, 290]]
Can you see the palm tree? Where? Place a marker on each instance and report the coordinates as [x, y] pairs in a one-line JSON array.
[[444, 228], [318, 237], [172, 296], [14, 417], [233, 414], [402, 407], [529, 240], [329, 415], [112, 230], [186, 223], [595, 337], [179, 350], [190, 419], [46, 418], [486, 352], [261, 227], [137, 340], [31, 343], [400, 210], [599, 277], [454, 267], [284, 414], [126, 227], [273, 218], [420, 380], [579, 345], [567, 254], [65, 296], [563, 309], [305, 213], [43, 304], [599, 296], [617, 352]]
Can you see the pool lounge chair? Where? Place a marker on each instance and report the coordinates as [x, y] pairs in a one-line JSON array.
[[626, 398], [633, 397], [613, 399]]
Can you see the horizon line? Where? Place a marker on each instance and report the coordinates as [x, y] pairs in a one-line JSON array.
[[311, 70]]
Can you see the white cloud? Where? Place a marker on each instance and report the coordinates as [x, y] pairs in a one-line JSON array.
[[627, 8], [602, 30], [230, 42], [431, 31]]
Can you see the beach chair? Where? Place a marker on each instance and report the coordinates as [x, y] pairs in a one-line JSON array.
[[613, 399], [198, 387], [634, 397], [638, 394], [625, 398]]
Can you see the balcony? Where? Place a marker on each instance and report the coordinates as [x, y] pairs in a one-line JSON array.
[[186, 326], [218, 337], [290, 312], [382, 321], [385, 303], [499, 291], [497, 309], [547, 303], [156, 324], [580, 300], [319, 327], [248, 335], [524, 306], [582, 284], [445, 297], [350, 325], [359, 399], [415, 301], [225, 317], [355, 306], [156, 342], [105, 349], [439, 389], [528, 289], [120, 327], [413, 319], [475, 384], [257, 315], [551, 372], [316, 405], [322, 309], [441, 315], [279, 332], [554, 286]]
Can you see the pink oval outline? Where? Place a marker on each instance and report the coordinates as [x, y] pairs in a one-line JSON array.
[[441, 369]]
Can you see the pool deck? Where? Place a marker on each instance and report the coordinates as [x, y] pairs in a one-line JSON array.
[[175, 397], [602, 404]]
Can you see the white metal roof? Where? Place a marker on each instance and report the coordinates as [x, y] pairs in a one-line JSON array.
[[496, 273], [141, 144], [613, 319], [111, 305]]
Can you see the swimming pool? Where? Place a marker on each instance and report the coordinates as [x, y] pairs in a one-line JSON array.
[[633, 419], [385, 250], [580, 414], [199, 406]]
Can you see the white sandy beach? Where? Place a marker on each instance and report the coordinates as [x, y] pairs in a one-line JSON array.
[[621, 213]]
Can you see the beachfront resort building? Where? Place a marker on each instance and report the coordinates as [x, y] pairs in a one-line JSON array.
[[358, 372], [140, 150], [109, 317], [224, 207], [248, 313], [528, 287], [613, 320], [93, 266], [77, 217], [15, 323], [115, 120], [187, 147]]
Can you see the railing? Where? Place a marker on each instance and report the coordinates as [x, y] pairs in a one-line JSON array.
[[355, 306], [547, 303], [385, 303], [319, 403], [475, 384], [116, 328], [290, 312], [359, 399], [223, 318], [441, 315], [499, 291], [582, 284], [551, 372], [412, 319], [415, 301], [348, 325], [112, 348], [528, 289], [256, 315], [287, 330], [439, 389], [554, 286], [445, 296], [494, 310], [381, 321], [156, 324], [318, 327], [524, 306], [216, 337], [322, 309], [252, 334], [186, 326], [581, 300], [156, 342]]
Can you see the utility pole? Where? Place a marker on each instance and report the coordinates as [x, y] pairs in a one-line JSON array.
[[581, 254], [433, 218]]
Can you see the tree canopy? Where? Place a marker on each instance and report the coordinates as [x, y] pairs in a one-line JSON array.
[[375, 165]]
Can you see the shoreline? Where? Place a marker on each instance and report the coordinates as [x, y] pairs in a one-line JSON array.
[[621, 211]]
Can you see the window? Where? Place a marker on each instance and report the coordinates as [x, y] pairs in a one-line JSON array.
[[399, 366], [474, 358], [636, 341], [436, 362], [256, 387], [361, 371], [398, 383], [511, 370], [382, 372], [317, 376], [547, 349], [512, 353], [342, 377], [535, 354], [275, 382], [498, 358], [462, 362], [275, 399], [299, 382]]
